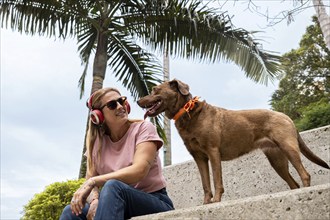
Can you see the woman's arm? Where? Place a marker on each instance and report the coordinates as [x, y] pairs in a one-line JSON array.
[[93, 201], [94, 194], [144, 156]]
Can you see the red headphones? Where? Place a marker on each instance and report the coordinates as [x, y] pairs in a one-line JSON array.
[[96, 115]]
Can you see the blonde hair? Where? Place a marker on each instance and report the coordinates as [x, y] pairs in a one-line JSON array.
[[97, 131]]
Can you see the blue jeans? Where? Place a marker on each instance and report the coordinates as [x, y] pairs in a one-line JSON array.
[[121, 201]]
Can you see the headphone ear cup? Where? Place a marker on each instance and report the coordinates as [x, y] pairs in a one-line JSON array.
[[128, 107], [89, 101], [96, 117]]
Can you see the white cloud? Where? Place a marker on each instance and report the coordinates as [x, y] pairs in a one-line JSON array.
[[9, 190]]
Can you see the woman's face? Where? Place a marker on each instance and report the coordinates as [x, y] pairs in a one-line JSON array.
[[119, 114]]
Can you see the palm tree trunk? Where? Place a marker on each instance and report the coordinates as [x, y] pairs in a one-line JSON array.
[[324, 20], [167, 123], [99, 68]]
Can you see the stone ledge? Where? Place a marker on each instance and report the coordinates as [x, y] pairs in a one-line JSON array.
[[305, 203]]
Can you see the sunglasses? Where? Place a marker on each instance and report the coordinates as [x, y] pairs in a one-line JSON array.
[[113, 103]]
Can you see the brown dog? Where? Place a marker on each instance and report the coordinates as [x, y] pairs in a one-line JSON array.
[[217, 134]]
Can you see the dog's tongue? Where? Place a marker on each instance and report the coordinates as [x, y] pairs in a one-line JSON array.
[[148, 112], [146, 115], [151, 110]]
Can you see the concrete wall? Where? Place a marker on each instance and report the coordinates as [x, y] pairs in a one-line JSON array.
[[249, 175]]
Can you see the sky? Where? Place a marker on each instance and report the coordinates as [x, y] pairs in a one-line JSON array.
[[43, 120]]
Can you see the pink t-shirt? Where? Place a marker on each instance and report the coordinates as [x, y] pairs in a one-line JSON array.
[[117, 155]]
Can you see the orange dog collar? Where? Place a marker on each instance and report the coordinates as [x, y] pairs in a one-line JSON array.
[[186, 108]]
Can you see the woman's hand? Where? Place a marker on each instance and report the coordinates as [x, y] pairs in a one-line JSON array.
[[79, 197], [92, 209]]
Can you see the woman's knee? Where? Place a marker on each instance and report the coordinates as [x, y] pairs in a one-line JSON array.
[[67, 209], [114, 184], [66, 213]]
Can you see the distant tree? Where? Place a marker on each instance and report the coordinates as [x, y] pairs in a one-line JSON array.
[[315, 115], [303, 93], [48, 205]]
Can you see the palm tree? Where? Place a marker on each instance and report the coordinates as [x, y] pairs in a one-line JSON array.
[[114, 30], [324, 20], [167, 124]]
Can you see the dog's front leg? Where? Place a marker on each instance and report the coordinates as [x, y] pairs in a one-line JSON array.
[[203, 167], [215, 160]]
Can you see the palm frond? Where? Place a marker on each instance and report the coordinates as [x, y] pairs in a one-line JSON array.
[[137, 69], [48, 18], [87, 40], [192, 31]]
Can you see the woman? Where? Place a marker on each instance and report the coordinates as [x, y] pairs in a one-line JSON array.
[[122, 158]]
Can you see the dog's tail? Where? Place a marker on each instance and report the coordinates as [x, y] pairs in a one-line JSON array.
[[309, 154]]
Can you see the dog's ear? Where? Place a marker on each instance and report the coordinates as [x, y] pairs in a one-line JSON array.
[[182, 87]]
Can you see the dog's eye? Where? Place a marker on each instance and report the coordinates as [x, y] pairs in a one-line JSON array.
[[155, 90]]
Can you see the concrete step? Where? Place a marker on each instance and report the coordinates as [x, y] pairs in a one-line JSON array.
[[249, 175], [304, 203], [253, 190]]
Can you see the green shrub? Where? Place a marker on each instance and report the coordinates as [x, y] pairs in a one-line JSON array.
[[315, 115], [49, 204]]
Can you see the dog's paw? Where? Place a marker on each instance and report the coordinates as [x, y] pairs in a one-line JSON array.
[[207, 200], [214, 200]]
